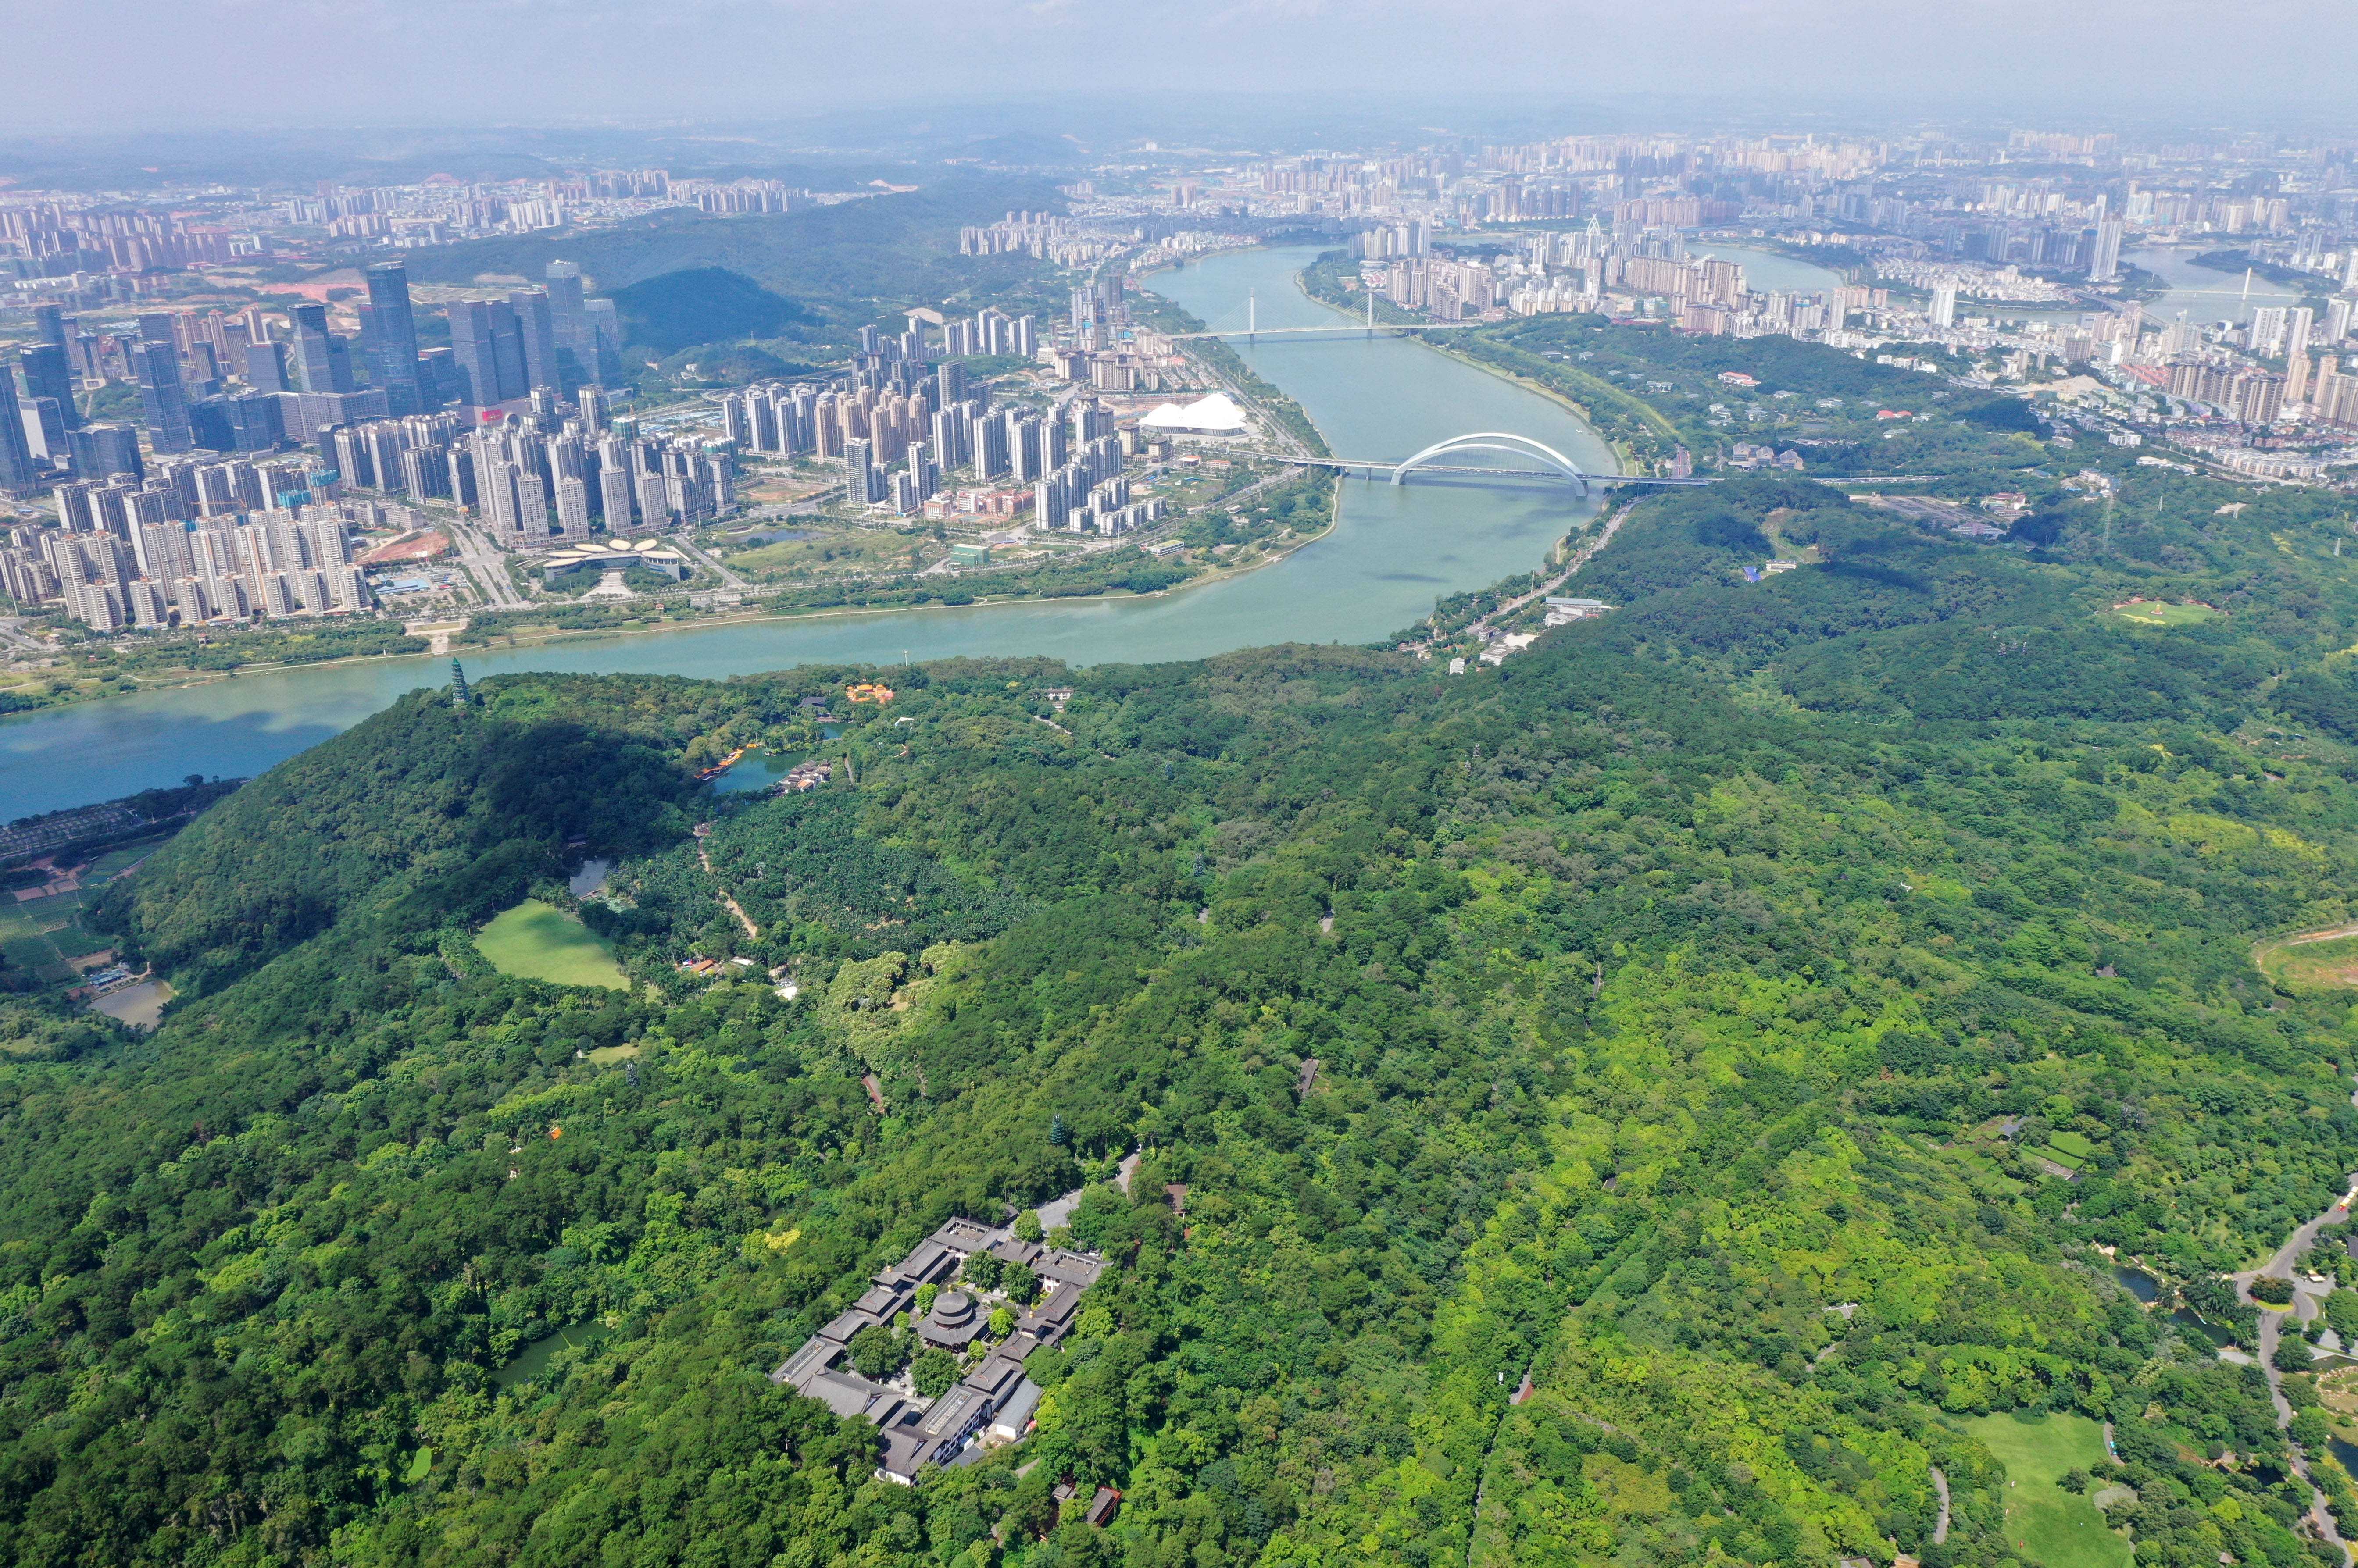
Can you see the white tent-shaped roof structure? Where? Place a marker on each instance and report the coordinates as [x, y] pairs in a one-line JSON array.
[[1213, 416]]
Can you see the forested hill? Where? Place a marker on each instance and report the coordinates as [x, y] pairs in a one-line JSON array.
[[1746, 1016]]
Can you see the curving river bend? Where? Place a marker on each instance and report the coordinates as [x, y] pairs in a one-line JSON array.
[[1391, 553]]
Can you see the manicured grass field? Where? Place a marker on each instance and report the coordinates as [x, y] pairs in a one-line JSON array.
[[535, 941], [2151, 614], [2043, 1522]]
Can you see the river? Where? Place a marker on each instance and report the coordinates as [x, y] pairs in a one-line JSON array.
[[1391, 553], [2204, 294], [1766, 269]]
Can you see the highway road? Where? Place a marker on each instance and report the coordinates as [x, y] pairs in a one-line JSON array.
[[486, 565]]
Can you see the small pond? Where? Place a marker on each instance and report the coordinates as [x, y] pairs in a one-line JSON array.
[[2138, 1284], [2217, 1333], [753, 771], [589, 878], [534, 1359]]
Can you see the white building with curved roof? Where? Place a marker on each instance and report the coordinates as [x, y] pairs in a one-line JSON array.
[[1214, 415]]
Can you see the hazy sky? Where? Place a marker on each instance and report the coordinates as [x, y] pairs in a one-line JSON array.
[[100, 65]]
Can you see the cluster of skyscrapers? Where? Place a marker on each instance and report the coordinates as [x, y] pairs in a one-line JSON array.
[[226, 568], [384, 414], [898, 434], [540, 479], [311, 382]]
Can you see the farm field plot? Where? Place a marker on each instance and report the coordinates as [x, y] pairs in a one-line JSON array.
[[42, 935], [2070, 1149], [538, 941], [2046, 1523]]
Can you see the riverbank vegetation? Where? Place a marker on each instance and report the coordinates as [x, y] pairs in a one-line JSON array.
[[85, 667]]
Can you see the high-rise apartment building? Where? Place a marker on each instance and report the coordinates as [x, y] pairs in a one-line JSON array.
[[2264, 334], [2105, 264]]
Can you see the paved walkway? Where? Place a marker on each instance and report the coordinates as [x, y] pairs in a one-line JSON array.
[[2305, 1307], [1580, 558]]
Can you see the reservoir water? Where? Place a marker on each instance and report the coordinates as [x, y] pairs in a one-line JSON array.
[[1394, 551]]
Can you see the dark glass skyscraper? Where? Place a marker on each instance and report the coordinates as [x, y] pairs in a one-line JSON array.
[[99, 451], [537, 330], [489, 351], [266, 366], [568, 316], [47, 374], [16, 471], [156, 367], [322, 358], [390, 331]]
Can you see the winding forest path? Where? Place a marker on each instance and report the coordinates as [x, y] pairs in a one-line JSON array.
[[726, 897], [2272, 1325]]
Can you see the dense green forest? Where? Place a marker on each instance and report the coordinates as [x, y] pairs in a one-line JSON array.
[[1745, 1017]]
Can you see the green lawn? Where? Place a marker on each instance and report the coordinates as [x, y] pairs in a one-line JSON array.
[[535, 941], [2151, 614], [2042, 1520]]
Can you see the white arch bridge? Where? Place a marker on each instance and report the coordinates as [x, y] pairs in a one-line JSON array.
[[1435, 459]]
